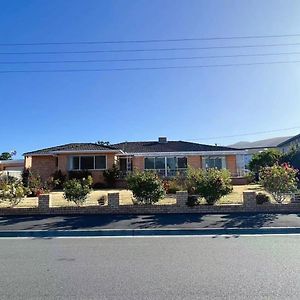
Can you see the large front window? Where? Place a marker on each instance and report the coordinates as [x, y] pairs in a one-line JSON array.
[[166, 166], [97, 162], [217, 162]]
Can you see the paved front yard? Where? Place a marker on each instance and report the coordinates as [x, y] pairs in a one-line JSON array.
[[126, 197]]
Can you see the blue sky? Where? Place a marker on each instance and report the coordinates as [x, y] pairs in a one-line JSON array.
[[46, 109]]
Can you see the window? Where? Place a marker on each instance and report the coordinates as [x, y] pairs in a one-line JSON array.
[[159, 163], [167, 166], [149, 163], [217, 162], [88, 162], [75, 165], [182, 162], [100, 162]]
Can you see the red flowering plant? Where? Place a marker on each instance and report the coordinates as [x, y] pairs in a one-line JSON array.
[[279, 180]]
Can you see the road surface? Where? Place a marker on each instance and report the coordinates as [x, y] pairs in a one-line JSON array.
[[246, 267]]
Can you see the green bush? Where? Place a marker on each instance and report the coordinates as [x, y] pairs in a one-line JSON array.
[[111, 176], [34, 182], [146, 187], [192, 201], [262, 198], [13, 192], [57, 180], [264, 159], [77, 190], [211, 184], [279, 180]]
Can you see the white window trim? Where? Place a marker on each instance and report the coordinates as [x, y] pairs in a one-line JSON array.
[[79, 156]]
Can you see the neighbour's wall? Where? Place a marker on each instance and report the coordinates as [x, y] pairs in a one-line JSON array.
[[288, 146]]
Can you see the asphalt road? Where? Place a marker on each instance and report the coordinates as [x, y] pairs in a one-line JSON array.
[[184, 221], [248, 267]]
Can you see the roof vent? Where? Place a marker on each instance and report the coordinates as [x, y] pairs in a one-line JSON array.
[[162, 139]]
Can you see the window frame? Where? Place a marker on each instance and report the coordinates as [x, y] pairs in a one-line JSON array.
[[94, 160], [223, 161], [165, 169]]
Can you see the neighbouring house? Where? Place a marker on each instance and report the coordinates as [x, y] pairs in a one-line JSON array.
[[252, 148], [12, 167], [167, 158], [287, 145]]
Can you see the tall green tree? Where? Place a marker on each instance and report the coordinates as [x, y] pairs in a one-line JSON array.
[[263, 159], [5, 156]]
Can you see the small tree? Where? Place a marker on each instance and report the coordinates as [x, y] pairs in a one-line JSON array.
[[213, 185], [12, 191], [147, 187], [111, 176], [77, 190], [264, 159], [279, 180]]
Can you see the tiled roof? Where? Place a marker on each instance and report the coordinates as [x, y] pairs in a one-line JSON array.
[[170, 146], [73, 147]]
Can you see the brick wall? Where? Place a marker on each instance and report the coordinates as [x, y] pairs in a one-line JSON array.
[[138, 163], [114, 207], [45, 166], [194, 161]]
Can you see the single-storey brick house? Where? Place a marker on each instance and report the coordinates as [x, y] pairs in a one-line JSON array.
[[163, 156]]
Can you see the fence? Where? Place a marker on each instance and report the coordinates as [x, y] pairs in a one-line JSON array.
[[12, 173], [113, 207]]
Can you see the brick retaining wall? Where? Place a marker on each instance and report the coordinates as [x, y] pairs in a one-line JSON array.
[[114, 207]]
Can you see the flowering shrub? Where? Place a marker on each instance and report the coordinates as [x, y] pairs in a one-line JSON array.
[[12, 191], [77, 190], [279, 180], [146, 187]]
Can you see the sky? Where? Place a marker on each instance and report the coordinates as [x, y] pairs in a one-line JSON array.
[[207, 105]]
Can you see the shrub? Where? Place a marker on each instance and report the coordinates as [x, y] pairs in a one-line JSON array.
[[264, 159], [172, 186], [57, 180], [279, 180], [77, 190], [193, 180], [80, 174], [210, 184], [13, 192], [111, 176], [25, 177], [262, 198], [146, 187], [33, 182], [192, 201]]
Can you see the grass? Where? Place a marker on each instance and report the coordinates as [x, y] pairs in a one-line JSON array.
[[126, 197]]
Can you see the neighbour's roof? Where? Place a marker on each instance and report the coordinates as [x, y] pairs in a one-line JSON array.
[[169, 146], [289, 140], [73, 147], [266, 143]]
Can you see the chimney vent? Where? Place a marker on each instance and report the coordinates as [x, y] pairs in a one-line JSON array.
[[162, 139]]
